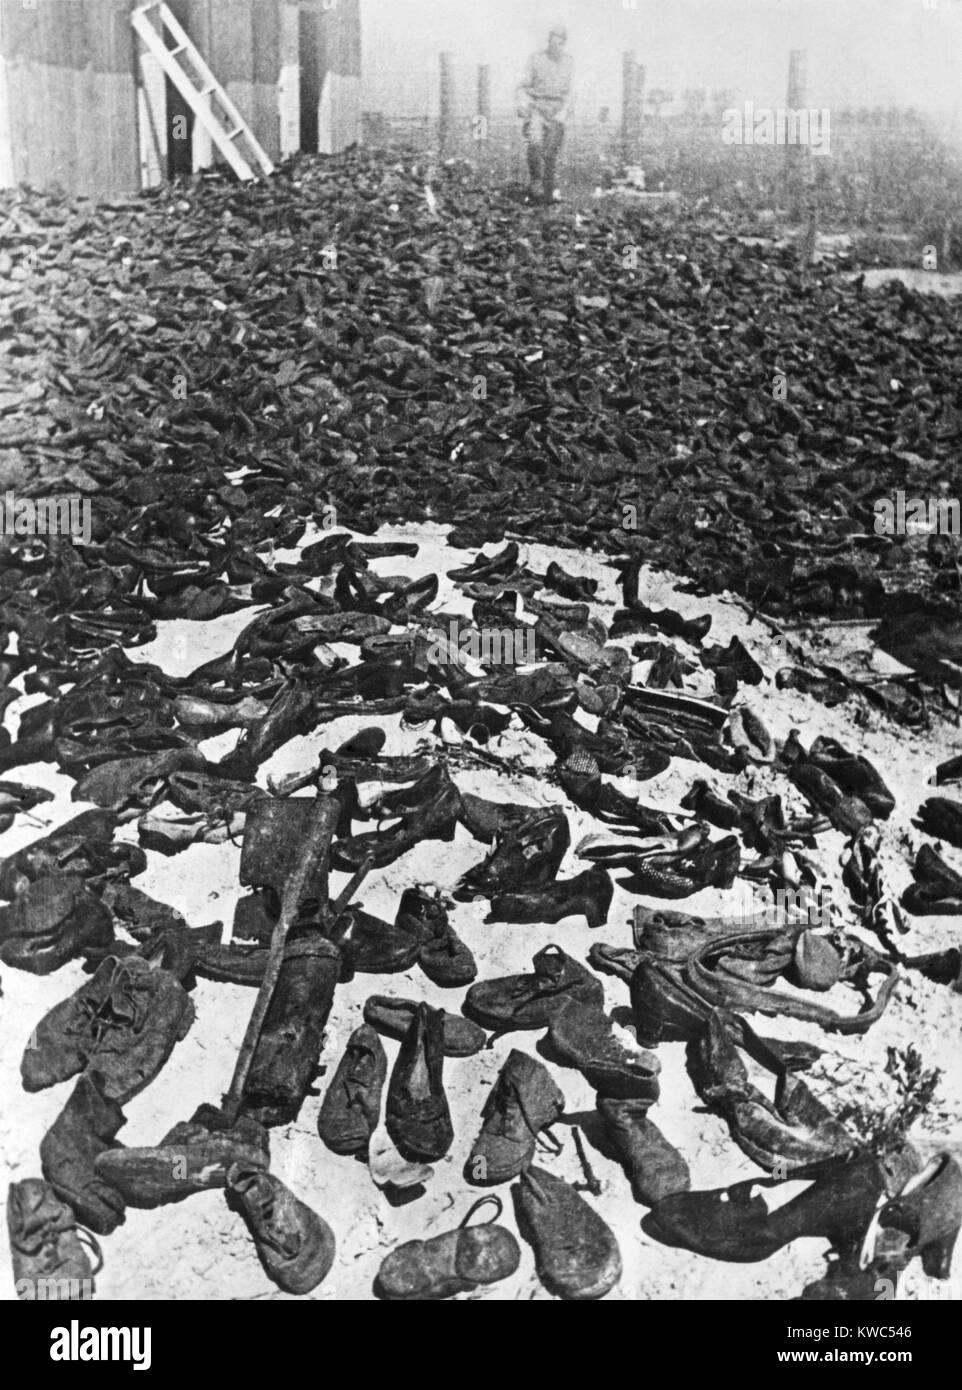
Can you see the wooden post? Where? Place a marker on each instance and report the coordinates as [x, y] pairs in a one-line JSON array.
[[289, 81], [483, 122], [631, 109], [797, 156], [446, 121]]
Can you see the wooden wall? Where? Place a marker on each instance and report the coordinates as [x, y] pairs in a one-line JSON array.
[[331, 73], [81, 105], [67, 75]]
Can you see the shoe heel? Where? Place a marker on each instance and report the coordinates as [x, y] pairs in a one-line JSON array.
[[937, 1257]]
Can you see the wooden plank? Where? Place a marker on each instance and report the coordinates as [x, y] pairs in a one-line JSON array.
[[198, 25], [289, 79], [151, 115], [266, 67]]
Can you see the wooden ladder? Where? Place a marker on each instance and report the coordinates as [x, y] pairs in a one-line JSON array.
[[200, 89]]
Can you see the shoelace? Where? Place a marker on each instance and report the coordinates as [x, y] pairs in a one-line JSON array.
[[118, 1008]]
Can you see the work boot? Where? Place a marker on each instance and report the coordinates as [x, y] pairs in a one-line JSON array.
[[45, 1245], [654, 1167], [86, 1127], [295, 1246], [193, 1157], [523, 1101], [531, 1001]]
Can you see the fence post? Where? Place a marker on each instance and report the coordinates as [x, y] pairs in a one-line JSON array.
[[631, 108], [483, 128], [797, 156], [446, 123]]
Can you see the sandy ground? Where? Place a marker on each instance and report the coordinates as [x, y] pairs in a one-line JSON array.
[[199, 1250]]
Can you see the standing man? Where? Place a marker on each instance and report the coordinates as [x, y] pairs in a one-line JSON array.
[[543, 99]]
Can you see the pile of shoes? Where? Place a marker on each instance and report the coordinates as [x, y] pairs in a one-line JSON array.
[[131, 737], [336, 400], [329, 390]]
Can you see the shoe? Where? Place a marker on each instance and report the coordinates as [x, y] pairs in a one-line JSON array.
[[487, 819], [531, 1001], [580, 776], [456, 1262], [433, 817], [737, 1224], [497, 566], [295, 1246], [550, 686], [576, 1254], [655, 1169], [523, 858], [371, 946], [937, 889], [789, 1132], [731, 664], [942, 819], [588, 895], [352, 1103], [707, 805], [194, 1156], [571, 586], [17, 797], [123, 1023], [712, 973], [523, 1101], [922, 1219], [234, 964], [948, 772], [86, 1127], [444, 957], [460, 1037], [607, 1056], [417, 1115], [49, 1258], [285, 1059], [126, 784], [637, 617], [854, 774], [847, 813], [52, 920], [941, 967], [747, 733], [84, 846], [673, 873]]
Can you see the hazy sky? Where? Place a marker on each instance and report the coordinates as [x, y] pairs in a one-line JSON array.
[[860, 52]]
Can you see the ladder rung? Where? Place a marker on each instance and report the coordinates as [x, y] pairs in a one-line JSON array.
[[181, 48], [206, 91], [233, 134]]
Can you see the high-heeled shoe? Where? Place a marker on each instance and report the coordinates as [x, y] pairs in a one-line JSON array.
[[923, 1219], [588, 895], [737, 1223], [524, 857]]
